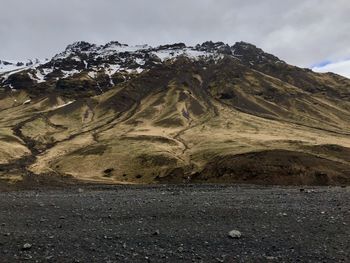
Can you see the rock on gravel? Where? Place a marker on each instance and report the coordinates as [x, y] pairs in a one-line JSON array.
[[27, 246], [235, 234], [156, 233]]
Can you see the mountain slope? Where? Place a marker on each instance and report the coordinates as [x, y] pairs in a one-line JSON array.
[[209, 113]]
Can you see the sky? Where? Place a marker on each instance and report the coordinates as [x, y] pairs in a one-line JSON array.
[[312, 33]]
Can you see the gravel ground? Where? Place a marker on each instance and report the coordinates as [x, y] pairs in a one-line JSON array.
[[176, 224]]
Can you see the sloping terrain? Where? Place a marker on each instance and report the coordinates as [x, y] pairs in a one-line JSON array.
[[210, 113]]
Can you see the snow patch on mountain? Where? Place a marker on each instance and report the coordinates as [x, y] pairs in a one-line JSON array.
[[64, 105], [111, 58], [9, 65], [69, 73], [92, 74]]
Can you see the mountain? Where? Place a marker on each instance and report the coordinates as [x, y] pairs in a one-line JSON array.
[[213, 112]]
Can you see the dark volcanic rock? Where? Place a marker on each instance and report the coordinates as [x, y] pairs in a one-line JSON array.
[[192, 224]]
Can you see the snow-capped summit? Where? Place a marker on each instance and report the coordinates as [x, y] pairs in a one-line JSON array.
[[113, 44], [80, 46], [114, 62]]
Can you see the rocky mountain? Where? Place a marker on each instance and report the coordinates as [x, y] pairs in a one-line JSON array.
[[174, 113]]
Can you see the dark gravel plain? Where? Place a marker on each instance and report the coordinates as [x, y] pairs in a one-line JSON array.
[[183, 223]]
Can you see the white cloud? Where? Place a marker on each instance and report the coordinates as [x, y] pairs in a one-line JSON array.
[[340, 67], [289, 29]]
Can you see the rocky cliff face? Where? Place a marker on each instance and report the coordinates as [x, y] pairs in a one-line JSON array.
[[173, 113]]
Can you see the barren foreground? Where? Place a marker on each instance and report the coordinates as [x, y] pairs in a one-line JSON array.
[[176, 224]]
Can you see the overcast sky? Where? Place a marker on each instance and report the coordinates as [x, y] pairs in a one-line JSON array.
[[301, 32]]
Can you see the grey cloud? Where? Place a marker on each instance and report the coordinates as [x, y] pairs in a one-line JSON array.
[[298, 31]]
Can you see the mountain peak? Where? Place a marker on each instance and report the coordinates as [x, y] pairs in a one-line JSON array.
[[211, 46], [172, 46], [113, 44], [80, 46], [112, 58], [251, 54]]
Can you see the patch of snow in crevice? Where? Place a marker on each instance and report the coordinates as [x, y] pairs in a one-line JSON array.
[[137, 70], [112, 69], [111, 82], [48, 70], [70, 73], [76, 58], [92, 74], [41, 74], [63, 105], [187, 52], [140, 61], [31, 76], [37, 77]]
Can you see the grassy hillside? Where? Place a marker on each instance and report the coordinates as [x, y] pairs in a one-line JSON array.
[[185, 121]]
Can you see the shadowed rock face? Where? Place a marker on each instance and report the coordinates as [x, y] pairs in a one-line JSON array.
[[275, 166], [213, 112]]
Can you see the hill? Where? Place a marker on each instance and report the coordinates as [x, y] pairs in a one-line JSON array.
[[137, 114]]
